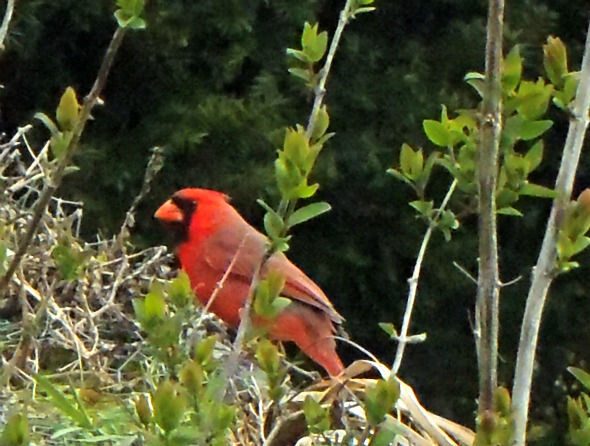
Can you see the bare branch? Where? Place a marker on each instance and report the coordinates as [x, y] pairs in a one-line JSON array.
[[488, 289], [6, 22], [544, 271]]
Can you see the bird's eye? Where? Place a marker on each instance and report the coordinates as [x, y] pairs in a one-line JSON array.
[[186, 205]]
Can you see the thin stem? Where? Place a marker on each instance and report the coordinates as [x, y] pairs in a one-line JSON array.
[[413, 281], [320, 90], [488, 290], [54, 182], [544, 270], [6, 22]]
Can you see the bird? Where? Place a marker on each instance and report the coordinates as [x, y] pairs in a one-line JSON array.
[[215, 242]]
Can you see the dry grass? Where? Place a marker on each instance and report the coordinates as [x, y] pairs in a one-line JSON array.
[[68, 315]]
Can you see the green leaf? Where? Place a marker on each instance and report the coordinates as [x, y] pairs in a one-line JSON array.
[[268, 357], [301, 73], [179, 290], [67, 110], [476, 80], [555, 60], [411, 162], [580, 375], [509, 211], [313, 44], [565, 247], [570, 86], [303, 191], [405, 159], [47, 122], [517, 128], [536, 190], [128, 16], [383, 437], [534, 156], [436, 132], [204, 351], [16, 431], [580, 244], [423, 207], [322, 123], [154, 304], [363, 10], [533, 129], [399, 176], [309, 34], [169, 406], [273, 224], [308, 212], [135, 23], [388, 328], [299, 55], [143, 409], [533, 99], [59, 400], [317, 417], [69, 260], [287, 175], [276, 283], [446, 223], [512, 70], [380, 399], [296, 146]]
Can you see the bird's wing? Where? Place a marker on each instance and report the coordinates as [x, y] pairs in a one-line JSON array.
[[298, 286], [246, 248]]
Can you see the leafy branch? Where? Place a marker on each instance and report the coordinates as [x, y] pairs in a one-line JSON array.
[[403, 338], [296, 160], [72, 121]]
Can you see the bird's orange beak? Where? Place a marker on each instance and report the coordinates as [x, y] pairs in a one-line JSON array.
[[169, 213]]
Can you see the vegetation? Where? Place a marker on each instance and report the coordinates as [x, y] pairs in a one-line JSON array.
[[102, 346]]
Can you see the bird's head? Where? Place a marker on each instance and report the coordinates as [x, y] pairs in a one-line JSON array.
[[179, 212]]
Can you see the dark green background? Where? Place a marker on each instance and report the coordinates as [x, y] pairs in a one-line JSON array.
[[208, 80]]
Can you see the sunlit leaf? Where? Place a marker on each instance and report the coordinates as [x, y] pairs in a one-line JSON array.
[[308, 212]]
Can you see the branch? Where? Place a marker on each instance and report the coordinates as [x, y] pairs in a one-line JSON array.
[[6, 22], [544, 271], [413, 281], [320, 90], [53, 183], [488, 289]]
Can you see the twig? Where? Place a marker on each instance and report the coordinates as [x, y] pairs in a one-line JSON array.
[[219, 285], [488, 288], [465, 272], [413, 281], [320, 89], [544, 270], [231, 365], [6, 22], [53, 184], [155, 164]]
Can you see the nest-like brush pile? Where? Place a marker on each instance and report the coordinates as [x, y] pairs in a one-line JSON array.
[[67, 310]]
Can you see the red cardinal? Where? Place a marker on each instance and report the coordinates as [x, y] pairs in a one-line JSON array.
[[211, 234]]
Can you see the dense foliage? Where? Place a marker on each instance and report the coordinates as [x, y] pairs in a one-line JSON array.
[[208, 81]]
